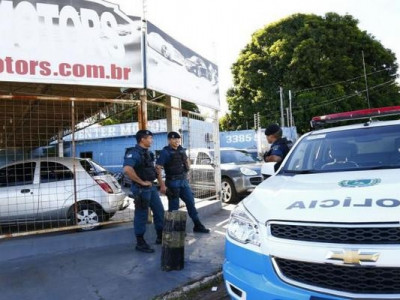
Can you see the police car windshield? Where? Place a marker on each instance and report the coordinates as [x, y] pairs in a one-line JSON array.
[[347, 150]]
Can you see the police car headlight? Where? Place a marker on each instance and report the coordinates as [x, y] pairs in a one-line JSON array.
[[247, 171], [242, 227]]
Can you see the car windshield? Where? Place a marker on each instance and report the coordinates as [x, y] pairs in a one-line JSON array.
[[347, 150], [236, 157]]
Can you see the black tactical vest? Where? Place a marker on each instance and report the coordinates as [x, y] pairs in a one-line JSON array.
[[177, 164], [285, 146], [145, 169]]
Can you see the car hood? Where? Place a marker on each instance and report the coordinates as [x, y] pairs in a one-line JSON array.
[[356, 196], [252, 166]]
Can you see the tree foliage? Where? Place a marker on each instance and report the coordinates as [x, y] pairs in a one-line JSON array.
[[318, 58]]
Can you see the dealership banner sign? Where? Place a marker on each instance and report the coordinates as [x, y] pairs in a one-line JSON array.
[[176, 70], [85, 42]]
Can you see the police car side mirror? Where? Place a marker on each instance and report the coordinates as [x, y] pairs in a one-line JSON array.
[[268, 169]]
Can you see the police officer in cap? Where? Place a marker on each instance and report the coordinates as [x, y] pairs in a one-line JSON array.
[[280, 145], [175, 162], [139, 167]]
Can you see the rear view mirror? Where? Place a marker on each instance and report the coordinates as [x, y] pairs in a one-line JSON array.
[[268, 169]]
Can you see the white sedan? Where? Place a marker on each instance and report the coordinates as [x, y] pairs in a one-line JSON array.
[[64, 190]]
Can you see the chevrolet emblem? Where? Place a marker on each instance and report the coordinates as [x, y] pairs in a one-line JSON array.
[[353, 256]]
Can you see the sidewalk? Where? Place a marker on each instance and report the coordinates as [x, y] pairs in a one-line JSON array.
[[115, 271]]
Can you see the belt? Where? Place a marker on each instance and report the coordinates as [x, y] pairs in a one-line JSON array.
[[176, 177]]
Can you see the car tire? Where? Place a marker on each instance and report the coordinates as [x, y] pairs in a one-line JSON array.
[[89, 216], [229, 193]]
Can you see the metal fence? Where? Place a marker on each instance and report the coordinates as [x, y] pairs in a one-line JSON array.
[[61, 159]]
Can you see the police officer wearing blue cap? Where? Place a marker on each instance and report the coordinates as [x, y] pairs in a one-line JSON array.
[[175, 162], [280, 146], [139, 167]]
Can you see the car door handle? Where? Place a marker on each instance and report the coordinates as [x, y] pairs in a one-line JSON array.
[[24, 191]]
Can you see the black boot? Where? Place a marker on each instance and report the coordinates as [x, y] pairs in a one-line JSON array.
[[198, 227], [142, 246], [159, 237]]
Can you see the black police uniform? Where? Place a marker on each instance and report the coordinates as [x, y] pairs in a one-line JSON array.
[[281, 148]]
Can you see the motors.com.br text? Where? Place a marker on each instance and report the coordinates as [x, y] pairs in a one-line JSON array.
[[9, 65]]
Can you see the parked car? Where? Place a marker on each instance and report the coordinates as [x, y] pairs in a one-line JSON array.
[[160, 45], [42, 190], [240, 172], [254, 153]]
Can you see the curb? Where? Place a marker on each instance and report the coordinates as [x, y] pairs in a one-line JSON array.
[[181, 292]]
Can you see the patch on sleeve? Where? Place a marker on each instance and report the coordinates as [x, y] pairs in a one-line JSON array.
[[129, 155]]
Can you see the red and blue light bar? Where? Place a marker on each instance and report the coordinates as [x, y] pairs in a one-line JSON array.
[[355, 115]]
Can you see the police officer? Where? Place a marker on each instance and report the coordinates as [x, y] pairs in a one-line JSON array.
[[175, 162], [280, 146], [139, 167]]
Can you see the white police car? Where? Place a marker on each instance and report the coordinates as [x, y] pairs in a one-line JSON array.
[[327, 224]]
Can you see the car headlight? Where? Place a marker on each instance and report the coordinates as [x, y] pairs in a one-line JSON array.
[[242, 227], [247, 171]]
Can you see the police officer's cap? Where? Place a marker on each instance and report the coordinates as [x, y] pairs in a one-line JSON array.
[[142, 134], [174, 135], [272, 129]]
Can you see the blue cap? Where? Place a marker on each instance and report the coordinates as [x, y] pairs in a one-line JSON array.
[[272, 129], [142, 134], [174, 135]]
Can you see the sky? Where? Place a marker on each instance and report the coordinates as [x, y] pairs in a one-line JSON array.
[[220, 29]]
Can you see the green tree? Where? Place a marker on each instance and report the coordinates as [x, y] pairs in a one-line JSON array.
[[318, 58]]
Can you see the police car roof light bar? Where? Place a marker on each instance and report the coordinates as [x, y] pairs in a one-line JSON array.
[[355, 115]]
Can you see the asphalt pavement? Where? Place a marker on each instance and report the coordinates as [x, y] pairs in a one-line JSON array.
[[115, 271]]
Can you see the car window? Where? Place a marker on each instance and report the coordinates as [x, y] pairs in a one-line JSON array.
[[236, 156], [19, 174], [52, 171], [93, 168], [353, 149], [202, 157]]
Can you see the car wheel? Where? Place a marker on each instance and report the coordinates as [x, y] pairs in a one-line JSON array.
[[229, 193], [88, 215]]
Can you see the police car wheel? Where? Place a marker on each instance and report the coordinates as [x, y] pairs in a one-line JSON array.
[[229, 193]]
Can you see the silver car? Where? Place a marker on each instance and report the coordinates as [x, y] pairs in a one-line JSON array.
[[240, 172], [42, 190]]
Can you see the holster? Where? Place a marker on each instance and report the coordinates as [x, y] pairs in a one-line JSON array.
[[140, 201]]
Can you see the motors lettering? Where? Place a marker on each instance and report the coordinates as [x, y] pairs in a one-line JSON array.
[[347, 202]]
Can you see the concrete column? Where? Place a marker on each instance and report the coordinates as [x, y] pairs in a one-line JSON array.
[[174, 114], [142, 111], [217, 157]]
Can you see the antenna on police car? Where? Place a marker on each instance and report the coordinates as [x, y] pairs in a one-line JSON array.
[[365, 78]]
